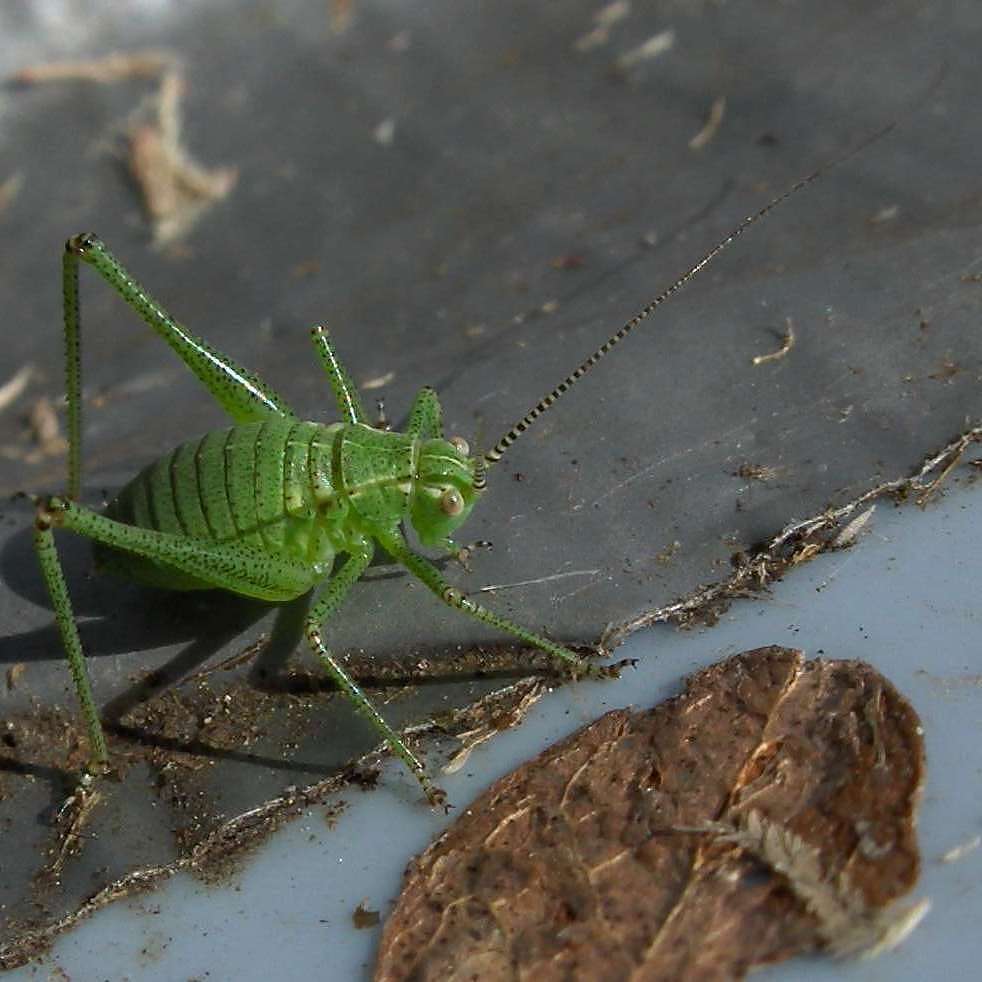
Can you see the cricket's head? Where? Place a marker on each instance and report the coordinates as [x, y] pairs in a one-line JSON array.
[[447, 483]]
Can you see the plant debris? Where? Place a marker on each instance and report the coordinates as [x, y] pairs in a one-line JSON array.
[[385, 132], [887, 213], [656, 45], [115, 67], [781, 352], [713, 122], [774, 800], [604, 19], [9, 189], [668, 553], [378, 381], [362, 917], [170, 736], [14, 387], [851, 532], [488, 725], [44, 425], [796, 543], [176, 189], [756, 472], [958, 853]]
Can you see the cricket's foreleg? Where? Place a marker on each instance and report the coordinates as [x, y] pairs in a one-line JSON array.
[[426, 416], [64, 616], [345, 392], [431, 577], [326, 603], [243, 395]]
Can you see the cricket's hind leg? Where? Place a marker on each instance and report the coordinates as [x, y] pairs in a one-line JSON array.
[[73, 814], [54, 579], [242, 394], [234, 567]]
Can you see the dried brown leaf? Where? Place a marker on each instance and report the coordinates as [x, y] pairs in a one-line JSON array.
[[766, 811]]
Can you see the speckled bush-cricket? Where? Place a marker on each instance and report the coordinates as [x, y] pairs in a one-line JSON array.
[[265, 507]]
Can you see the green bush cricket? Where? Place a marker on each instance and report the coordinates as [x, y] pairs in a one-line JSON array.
[[264, 508]]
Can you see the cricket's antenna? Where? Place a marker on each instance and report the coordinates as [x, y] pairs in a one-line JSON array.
[[498, 450]]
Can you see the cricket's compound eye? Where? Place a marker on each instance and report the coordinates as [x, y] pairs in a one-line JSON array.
[[452, 502], [460, 445]]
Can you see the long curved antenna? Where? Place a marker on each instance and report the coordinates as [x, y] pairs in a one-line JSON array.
[[495, 454]]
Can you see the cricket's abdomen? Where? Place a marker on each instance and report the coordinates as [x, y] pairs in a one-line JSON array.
[[266, 485]]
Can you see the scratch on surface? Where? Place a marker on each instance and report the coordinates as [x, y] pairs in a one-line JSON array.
[[493, 587], [654, 465], [589, 585]]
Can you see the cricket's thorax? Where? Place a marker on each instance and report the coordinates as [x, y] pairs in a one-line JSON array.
[[375, 473], [276, 486]]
